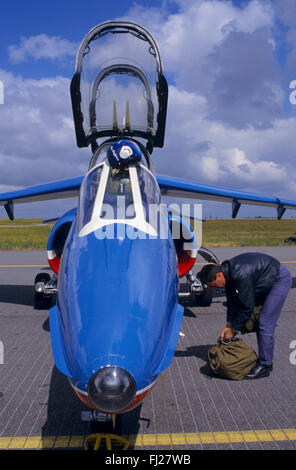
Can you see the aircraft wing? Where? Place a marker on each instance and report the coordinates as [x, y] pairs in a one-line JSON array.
[[193, 190], [169, 187], [42, 192]]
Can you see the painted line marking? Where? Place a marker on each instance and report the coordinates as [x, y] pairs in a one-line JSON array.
[[166, 439], [23, 265]]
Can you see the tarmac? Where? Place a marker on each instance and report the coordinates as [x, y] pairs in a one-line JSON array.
[[188, 408]]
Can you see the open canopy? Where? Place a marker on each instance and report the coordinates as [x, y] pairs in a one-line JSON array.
[[118, 89]]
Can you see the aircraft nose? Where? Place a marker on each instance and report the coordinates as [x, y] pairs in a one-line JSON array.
[[111, 389]]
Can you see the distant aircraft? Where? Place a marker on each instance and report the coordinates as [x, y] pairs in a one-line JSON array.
[[116, 264]]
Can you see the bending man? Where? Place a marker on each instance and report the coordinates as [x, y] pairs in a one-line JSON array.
[[252, 279]]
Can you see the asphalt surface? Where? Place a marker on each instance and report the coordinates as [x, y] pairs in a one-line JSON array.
[[187, 408]]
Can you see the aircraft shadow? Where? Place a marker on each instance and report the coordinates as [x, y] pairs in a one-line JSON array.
[[22, 295], [63, 410], [15, 294], [199, 352]]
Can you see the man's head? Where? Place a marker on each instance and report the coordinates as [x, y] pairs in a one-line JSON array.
[[212, 275]]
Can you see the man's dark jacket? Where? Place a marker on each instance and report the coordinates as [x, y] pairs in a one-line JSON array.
[[249, 279]]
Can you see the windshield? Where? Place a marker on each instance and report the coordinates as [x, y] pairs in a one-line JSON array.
[[130, 195], [149, 189], [88, 192], [118, 200]]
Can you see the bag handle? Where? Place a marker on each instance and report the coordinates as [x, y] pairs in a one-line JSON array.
[[227, 341]]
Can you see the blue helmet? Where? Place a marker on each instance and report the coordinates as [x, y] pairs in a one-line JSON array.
[[123, 152]]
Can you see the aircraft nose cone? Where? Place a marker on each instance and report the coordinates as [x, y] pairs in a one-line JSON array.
[[111, 389]]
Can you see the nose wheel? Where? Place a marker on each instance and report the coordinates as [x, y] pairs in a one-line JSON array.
[[45, 289], [42, 301], [105, 432], [100, 441]]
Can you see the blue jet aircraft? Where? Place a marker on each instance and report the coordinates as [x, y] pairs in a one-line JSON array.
[[116, 264]]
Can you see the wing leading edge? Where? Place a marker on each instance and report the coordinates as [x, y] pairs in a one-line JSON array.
[[192, 190], [169, 187], [43, 192]]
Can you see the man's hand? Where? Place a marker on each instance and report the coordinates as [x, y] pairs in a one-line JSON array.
[[227, 333]]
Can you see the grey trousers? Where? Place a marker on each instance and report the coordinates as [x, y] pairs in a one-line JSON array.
[[269, 315]]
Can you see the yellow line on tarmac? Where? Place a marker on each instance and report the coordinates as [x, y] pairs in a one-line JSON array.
[[165, 439], [23, 265]]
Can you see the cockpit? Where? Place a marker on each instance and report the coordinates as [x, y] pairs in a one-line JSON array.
[[129, 195], [118, 89], [119, 92]]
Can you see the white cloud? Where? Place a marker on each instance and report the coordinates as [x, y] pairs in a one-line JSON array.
[[256, 15], [206, 150], [211, 168], [238, 166], [224, 53], [37, 133], [187, 37], [41, 46], [225, 123]]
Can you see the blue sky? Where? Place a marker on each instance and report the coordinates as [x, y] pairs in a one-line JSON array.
[[69, 19], [229, 115]]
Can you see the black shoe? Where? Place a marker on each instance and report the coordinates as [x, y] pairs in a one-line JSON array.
[[259, 371]]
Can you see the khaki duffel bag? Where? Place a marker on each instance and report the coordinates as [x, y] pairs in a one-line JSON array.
[[231, 359]]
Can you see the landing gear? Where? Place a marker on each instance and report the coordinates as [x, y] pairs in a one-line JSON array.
[[200, 295], [105, 430], [106, 442], [205, 299], [45, 288]]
